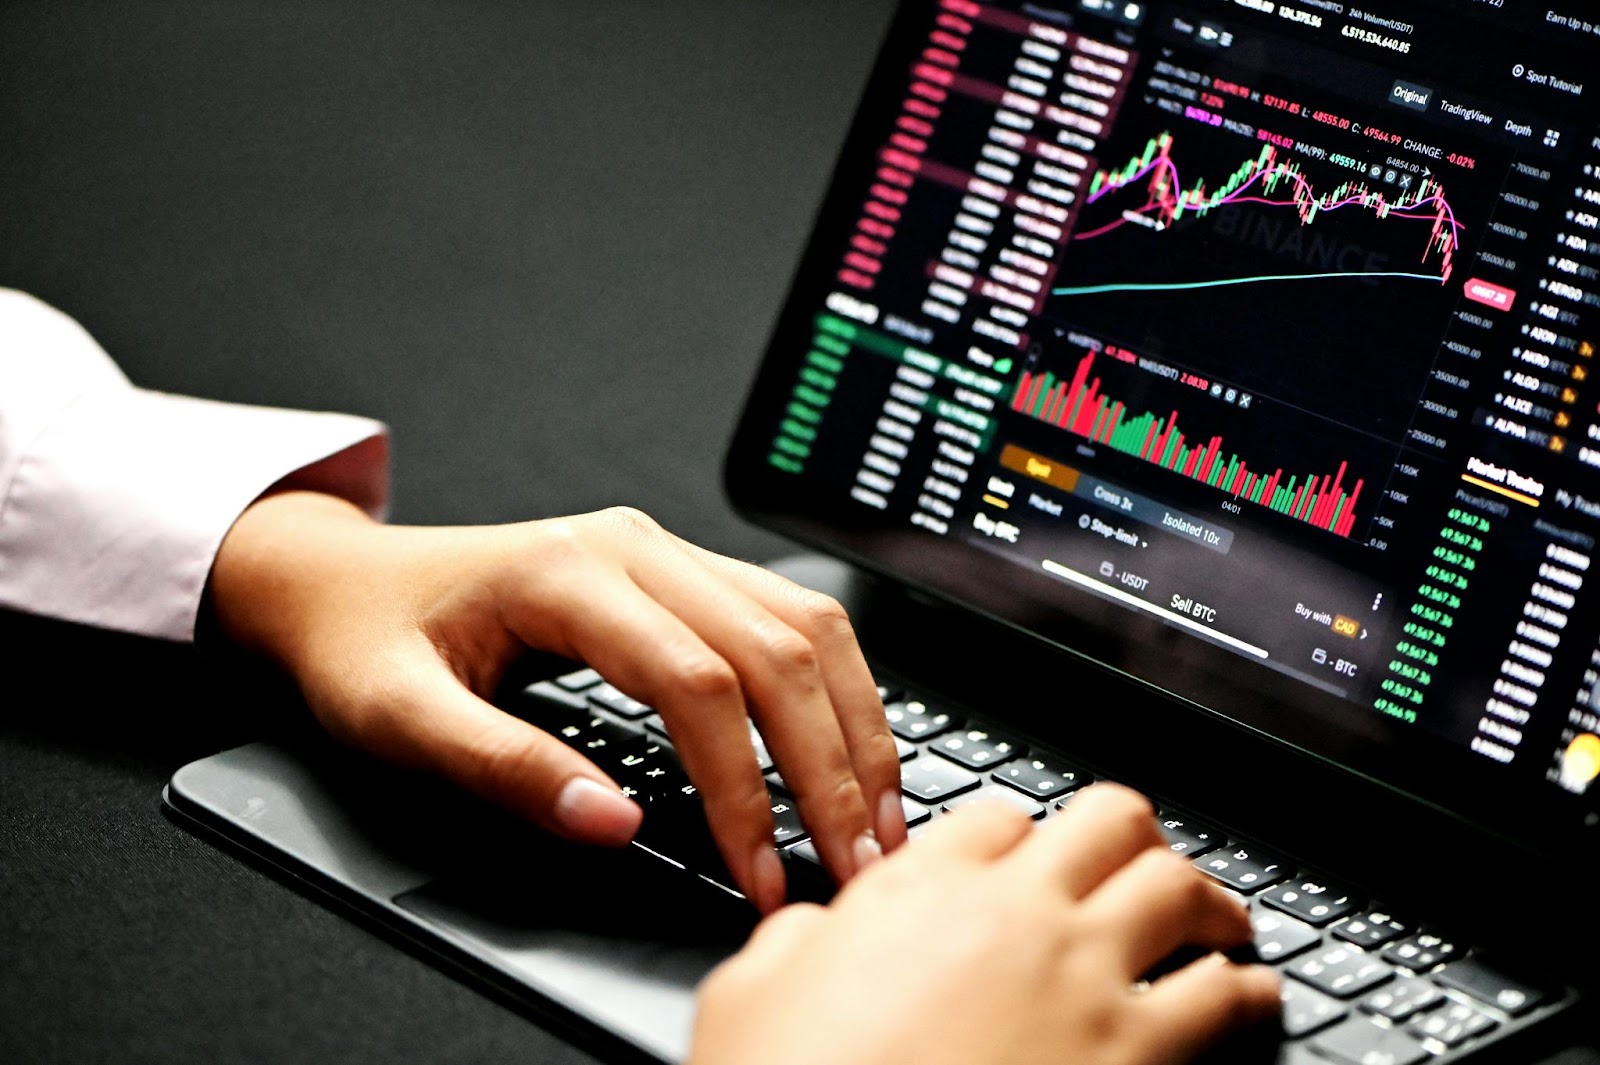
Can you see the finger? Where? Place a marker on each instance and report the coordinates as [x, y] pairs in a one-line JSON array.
[[981, 832], [781, 673], [1105, 827], [778, 937], [765, 963], [1201, 1003], [850, 684], [1158, 903], [429, 720], [767, 957], [648, 652]]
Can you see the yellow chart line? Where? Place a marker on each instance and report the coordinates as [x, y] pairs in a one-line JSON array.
[[1502, 489]]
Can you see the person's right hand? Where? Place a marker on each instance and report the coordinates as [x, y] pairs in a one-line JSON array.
[[988, 941]]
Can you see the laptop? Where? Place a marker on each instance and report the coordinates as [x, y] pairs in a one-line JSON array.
[[1191, 394]]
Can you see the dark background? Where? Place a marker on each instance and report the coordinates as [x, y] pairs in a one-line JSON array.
[[543, 241]]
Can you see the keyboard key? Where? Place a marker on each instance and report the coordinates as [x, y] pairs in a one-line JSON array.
[[786, 825], [1423, 951], [1402, 999], [1452, 1026], [806, 851], [675, 827], [1361, 1042], [578, 680], [648, 771], [933, 780], [1489, 985], [977, 749], [915, 812], [608, 698], [809, 880], [906, 750], [1306, 1011], [996, 792], [545, 701], [1313, 901], [598, 737], [1188, 836], [1341, 972], [1297, 1054], [917, 720], [888, 694], [1244, 869], [1280, 938], [653, 723], [775, 780], [1371, 929], [1042, 780]]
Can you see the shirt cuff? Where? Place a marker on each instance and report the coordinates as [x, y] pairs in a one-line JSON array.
[[115, 512]]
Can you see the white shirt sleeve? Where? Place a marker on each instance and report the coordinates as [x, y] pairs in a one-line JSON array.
[[114, 499]]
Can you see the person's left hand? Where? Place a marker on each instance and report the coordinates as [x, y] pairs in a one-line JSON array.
[[396, 636]]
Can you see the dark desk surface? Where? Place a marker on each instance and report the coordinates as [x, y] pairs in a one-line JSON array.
[[543, 241]]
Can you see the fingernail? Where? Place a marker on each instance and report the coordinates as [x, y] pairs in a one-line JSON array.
[[865, 850], [766, 872], [588, 810], [891, 819]]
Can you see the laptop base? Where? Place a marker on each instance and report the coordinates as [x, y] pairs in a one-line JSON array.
[[605, 946]]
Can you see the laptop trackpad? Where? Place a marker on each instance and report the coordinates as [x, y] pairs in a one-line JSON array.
[[620, 940]]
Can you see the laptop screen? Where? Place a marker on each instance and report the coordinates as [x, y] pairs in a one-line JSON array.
[[1246, 346]]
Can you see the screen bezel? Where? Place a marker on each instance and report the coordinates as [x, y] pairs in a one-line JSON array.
[[1413, 766]]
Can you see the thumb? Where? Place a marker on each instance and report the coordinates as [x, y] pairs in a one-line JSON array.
[[438, 725]]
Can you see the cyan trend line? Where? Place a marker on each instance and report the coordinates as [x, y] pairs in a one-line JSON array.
[[1091, 290]]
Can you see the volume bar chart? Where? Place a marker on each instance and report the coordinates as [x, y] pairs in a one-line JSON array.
[[1079, 407]]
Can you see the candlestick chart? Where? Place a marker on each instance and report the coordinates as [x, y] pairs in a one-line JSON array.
[[1272, 180], [1288, 272]]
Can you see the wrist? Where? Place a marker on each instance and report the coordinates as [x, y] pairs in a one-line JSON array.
[[274, 561]]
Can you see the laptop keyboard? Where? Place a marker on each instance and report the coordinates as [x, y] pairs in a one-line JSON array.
[[1364, 985]]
